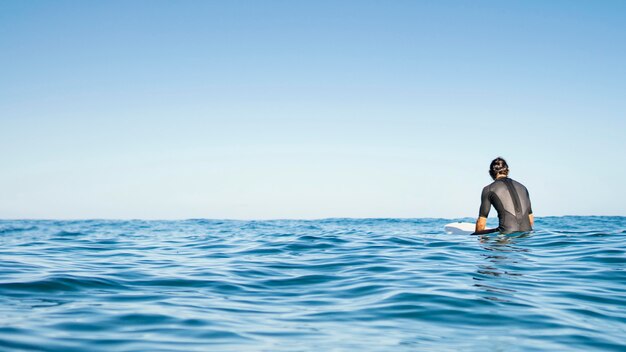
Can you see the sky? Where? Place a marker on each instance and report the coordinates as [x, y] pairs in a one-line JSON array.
[[308, 109]]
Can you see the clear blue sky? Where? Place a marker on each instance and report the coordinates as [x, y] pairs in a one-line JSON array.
[[308, 109]]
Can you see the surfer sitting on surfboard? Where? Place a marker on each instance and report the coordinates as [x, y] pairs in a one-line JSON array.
[[509, 197]]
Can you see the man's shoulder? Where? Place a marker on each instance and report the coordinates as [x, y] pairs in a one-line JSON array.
[[517, 183], [489, 187]]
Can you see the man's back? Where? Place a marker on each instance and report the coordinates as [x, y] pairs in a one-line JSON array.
[[512, 202]]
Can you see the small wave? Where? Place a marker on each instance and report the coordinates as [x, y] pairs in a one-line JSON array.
[[62, 283], [68, 234], [12, 229], [300, 281]]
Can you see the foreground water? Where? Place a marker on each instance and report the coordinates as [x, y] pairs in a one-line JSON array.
[[326, 285]]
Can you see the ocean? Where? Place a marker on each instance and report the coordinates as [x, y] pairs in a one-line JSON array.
[[311, 285]]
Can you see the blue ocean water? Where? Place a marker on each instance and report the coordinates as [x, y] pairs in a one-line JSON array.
[[323, 285]]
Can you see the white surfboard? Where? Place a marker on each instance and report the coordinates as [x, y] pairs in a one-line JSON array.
[[460, 228]]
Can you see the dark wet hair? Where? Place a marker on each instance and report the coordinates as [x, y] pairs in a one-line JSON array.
[[498, 167]]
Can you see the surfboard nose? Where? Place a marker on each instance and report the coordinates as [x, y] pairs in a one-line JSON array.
[[459, 228]]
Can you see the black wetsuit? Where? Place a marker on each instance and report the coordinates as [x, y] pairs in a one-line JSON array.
[[511, 200]]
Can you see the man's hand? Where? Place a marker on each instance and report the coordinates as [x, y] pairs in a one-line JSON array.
[[481, 223]]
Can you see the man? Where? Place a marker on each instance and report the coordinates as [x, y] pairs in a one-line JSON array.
[[509, 197]]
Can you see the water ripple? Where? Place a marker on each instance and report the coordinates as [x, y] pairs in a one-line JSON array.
[[290, 285]]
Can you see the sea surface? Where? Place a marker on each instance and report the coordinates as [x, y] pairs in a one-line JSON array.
[[320, 285]]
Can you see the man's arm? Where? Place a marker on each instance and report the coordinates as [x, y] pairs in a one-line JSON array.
[[481, 223], [531, 217], [483, 212]]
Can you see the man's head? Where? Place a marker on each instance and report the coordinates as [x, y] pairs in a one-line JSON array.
[[498, 168]]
